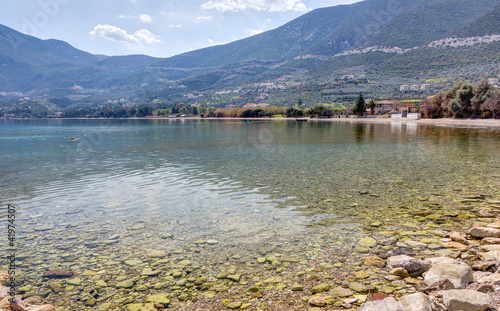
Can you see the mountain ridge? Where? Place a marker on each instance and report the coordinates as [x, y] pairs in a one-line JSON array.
[[314, 48]]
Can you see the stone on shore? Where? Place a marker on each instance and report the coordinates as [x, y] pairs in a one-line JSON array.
[[493, 279], [413, 266], [459, 273], [43, 308], [416, 302], [388, 304], [341, 292], [466, 300], [482, 232], [36, 300], [457, 237], [490, 241], [317, 301]]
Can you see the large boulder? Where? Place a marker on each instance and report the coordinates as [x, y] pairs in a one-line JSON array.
[[388, 304], [466, 300], [458, 273], [413, 266], [416, 302], [482, 232]]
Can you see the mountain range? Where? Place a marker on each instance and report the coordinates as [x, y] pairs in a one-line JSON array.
[[379, 44]]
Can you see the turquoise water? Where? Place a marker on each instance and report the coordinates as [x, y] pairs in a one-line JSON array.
[[255, 187]]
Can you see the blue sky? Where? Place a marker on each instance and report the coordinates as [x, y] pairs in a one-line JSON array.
[[159, 28]]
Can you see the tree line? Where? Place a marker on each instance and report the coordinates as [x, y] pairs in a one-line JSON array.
[[465, 100]]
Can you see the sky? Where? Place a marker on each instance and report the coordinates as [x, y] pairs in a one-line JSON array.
[[160, 28]]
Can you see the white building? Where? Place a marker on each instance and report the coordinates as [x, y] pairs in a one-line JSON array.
[[415, 87], [404, 87], [425, 87], [493, 81]]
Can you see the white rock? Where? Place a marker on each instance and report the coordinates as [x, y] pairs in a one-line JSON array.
[[493, 279], [388, 304], [458, 274], [466, 300], [445, 260], [4, 291], [490, 248], [212, 242], [416, 302], [489, 255]]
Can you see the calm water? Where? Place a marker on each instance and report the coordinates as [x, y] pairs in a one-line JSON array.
[[253, 187]]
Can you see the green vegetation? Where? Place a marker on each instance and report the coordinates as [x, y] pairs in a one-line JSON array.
[[359, 106], [465, 100], [485, 25], [433, 21]]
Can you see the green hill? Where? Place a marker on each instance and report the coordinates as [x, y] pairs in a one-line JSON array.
[[302, 50], [433, 21], [485, 25]]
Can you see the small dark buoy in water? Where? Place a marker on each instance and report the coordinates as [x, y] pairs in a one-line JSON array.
[[195, 126]]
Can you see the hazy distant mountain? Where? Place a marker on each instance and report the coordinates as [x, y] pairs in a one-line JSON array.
[[304, 48]]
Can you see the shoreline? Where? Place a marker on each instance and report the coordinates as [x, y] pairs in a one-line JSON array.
[[438, 122]]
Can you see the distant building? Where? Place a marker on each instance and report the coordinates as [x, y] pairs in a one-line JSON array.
[[385, 106], [415, 87], [196, 105], [230, 106], [404, 87], [262, 105], [425, 87], [250, 105]]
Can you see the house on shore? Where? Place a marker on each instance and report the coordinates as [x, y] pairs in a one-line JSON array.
[[230, 106]]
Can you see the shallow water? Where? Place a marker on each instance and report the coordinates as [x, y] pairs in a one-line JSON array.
[[256, 187]]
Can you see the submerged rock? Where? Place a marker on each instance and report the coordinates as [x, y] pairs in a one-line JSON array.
[[321, 288], [367, 242], [58, 273]]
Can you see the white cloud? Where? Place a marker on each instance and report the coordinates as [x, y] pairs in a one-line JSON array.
[[141, 36], [258, 5], [175, 26], [145, 18], [204, 18]]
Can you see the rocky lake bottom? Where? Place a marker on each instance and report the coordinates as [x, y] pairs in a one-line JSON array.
[[148, 232]]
